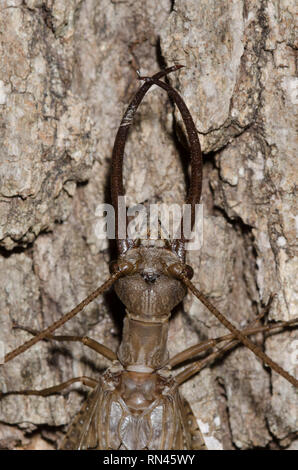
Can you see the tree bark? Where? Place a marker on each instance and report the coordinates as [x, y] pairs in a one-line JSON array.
[[67, 73]]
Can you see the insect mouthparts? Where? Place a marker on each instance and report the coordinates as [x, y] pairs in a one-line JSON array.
[[150, 277]]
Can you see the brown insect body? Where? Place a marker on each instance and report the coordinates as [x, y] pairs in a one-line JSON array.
[[131, 411], [137, 404]]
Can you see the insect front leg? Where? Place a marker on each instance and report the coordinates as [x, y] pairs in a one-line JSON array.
[[88, 381], [191, 352], [178, 270], [89, 342]]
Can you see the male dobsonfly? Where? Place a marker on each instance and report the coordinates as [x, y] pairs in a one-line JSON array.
[[136, 403]]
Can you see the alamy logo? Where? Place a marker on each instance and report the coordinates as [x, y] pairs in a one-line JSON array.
[[157, 221]]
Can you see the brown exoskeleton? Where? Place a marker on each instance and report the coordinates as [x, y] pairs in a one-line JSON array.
[[136, 403]]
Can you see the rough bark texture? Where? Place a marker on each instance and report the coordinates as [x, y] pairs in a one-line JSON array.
[[67, 71]]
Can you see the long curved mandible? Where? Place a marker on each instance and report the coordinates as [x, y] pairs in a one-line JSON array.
[[117, 188]]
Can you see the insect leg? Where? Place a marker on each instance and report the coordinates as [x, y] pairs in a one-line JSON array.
[[209, 343], [45, 392], [89, 342], [100, 290], [201, 347], [199, 365], [178, 271]]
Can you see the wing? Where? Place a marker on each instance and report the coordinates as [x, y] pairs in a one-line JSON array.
[[170, 424], [83, 431], [193, 436]]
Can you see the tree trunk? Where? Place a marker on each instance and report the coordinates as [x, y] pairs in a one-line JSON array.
[[67, 73]]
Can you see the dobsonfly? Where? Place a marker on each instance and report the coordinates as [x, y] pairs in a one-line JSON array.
[[136, 403]]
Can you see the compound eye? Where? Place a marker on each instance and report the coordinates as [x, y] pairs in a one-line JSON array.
[[188, 271], [150, 277], [179, 270], [123, 266], [113, 266]]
